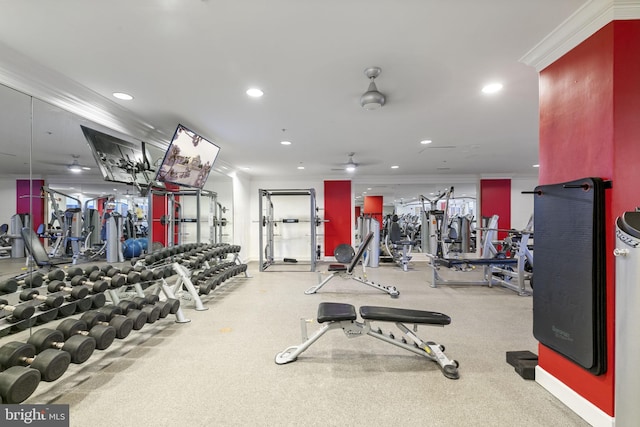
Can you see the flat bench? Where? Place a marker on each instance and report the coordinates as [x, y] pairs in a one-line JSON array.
[[451, 262], [339, 315]]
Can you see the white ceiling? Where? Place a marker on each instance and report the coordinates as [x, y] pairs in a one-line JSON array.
[[191, 61]]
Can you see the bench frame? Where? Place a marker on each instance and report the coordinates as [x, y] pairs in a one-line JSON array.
[[353, 329], [346, 272]]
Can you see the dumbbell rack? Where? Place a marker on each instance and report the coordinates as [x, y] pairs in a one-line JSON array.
[[115, 295], [6, 326]]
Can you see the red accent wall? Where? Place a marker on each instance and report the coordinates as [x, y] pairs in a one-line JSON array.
[[337, 210], [29, 200], [589, 104], [160, 208], [495, 199], [358, 211], [373, 207]]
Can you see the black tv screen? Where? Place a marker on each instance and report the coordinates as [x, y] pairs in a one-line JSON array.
[[188, 160], [119, 160]]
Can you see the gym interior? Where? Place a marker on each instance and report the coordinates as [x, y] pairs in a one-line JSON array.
[[181, 256]]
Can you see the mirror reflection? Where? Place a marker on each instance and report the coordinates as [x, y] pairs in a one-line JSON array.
[[70, 202]]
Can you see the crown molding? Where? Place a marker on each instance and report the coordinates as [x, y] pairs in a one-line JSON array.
[[27, 76], [583, 23]]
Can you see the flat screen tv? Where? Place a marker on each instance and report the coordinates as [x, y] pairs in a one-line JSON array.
[[188, 160], [119, 160]]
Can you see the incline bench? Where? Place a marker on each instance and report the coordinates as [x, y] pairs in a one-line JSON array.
[[347, 272], [337, 315]]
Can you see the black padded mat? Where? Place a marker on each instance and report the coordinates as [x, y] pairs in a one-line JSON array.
[[570, 279]]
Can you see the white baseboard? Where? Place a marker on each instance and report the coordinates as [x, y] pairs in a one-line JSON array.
[[578, 404]]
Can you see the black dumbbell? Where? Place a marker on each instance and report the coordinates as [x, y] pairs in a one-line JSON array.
[[17, 312], [122, 324], [168, 306], [95, 282], [33, 280], [8, 286], [47, 316], [112, 277], [51, 364], [79, 347], [46, 301], [103, 335], [98, 300], [152, 312], [128, 309], [75, 292], [67, 309], [17, 383]]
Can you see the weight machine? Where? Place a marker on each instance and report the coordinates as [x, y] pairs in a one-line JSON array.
[[267, 224]]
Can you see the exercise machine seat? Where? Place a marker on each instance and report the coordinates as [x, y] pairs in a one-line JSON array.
[[395, 234], [390, 314], [334, 311]]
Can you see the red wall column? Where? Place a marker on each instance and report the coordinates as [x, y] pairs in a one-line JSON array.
[[589, 103], [495, 199], [337, 210], [373, 207]]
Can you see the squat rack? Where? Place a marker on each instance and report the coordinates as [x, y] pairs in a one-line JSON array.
[[173, 220], [266, 223]]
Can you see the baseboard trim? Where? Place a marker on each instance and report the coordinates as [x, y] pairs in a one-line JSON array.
[[578, 404]]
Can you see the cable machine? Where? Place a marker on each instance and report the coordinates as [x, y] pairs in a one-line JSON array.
[[267, 224]]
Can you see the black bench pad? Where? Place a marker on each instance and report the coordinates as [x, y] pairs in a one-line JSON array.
[[334, 311], [389, 314], [450, 262], [337, 267]]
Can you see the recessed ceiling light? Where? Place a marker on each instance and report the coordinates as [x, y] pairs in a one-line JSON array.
[[395, 167], [350, 168], [285, 142], [300, 167], [536, 166], [254, 92], [492, 88], [369, 188], [123, 96], [426, 141], [246, 168]]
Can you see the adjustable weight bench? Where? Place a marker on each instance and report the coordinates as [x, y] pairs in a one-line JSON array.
[[346, 271], [337, 315]]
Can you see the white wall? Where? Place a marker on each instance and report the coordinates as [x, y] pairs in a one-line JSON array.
[[8, 197], [521, 204]]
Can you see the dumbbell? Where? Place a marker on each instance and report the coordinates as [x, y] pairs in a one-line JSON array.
[[29, 281], [79, 347], [128, 309], [104, 335], [17, 383], [153, 312], [75, 292], [169, 306], [51, 364], [68, 309], [46, 301], [122, 324], [96, 283], [8, 286], [18, 312]]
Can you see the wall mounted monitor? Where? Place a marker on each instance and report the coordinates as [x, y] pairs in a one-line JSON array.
[[188, 160], [119, 160]]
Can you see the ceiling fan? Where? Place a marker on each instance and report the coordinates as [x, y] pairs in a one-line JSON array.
[[75, 166], [349, 166]]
